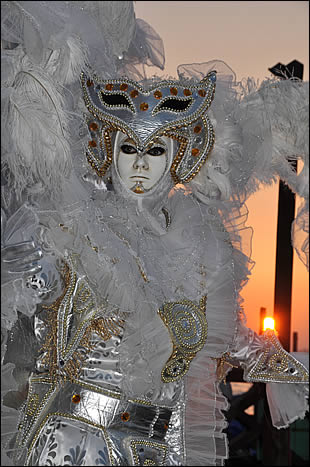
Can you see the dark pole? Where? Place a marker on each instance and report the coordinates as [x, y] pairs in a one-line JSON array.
[[284, 253], [295, 341], [280, 452], [262, 315]]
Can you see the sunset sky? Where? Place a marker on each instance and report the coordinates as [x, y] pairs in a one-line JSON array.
[[250, 37]]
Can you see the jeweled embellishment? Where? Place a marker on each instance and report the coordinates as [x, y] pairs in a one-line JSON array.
[[195, 152], [134, 93], [76, 398], [202, 92], [92, 143], [158, 95], [138, 188], [187, 325], [93, 126], [197, 129], [125, 417], [144, 106], [123, 87], [109, 87], [187, 92], [174, 91]]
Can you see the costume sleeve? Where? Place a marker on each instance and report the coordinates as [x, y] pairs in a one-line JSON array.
[[264, 360]]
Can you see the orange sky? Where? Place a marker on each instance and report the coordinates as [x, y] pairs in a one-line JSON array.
[[250, 37]]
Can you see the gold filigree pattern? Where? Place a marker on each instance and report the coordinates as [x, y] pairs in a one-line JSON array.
[[187, 326]]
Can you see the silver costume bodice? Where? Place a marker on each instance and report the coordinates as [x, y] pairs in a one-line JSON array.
[[101, 367]]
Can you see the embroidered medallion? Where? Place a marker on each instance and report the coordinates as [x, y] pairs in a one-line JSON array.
[[187, 325]]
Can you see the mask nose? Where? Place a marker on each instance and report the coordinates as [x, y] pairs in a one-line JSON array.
[[140, 162]]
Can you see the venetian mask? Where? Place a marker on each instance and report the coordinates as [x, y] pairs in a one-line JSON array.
[[145, 122]]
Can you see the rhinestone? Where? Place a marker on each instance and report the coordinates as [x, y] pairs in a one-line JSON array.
[[197, 129], [109, 86], [174, 91], [93, 126], [212, 77], [166, 426], [158, 95], [144, 106], [123, 87], [92, 143], [187, 92], [134, 93], [195, 152], [202, 92], [76, 398], [89, 83], [125, 416]]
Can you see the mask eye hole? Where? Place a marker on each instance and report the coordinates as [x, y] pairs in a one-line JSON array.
[[175, 105], [156, 151], [117, 100], [128, 149]]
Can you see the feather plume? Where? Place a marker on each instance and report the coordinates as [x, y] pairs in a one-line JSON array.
[[37, 128]]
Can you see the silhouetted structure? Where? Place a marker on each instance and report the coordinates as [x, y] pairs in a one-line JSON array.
[[284, 253]]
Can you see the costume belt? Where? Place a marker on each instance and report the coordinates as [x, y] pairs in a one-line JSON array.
[[90, 404]]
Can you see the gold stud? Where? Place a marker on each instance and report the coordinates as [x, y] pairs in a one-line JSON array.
[[138, 189]]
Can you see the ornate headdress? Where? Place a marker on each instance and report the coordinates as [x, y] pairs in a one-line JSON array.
[[167, 108]]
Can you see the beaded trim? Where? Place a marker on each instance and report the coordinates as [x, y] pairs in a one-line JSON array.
[[187, 326], [138, 443]]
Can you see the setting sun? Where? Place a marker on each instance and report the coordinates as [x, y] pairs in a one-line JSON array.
[[268, 323]]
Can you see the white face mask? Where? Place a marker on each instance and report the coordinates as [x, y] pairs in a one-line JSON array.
[[141, 171]]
